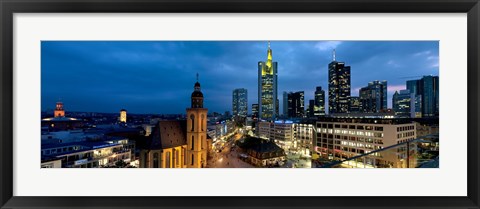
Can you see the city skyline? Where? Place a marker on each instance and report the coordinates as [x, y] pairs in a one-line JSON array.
[[153, 77]]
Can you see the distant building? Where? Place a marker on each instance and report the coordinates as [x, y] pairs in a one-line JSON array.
[[319, 104], [267, 88], [373, 98], [311, 108], [239, 102], [403, 103], [296, 104], [59, 111], [427, 88], [123, 116], [338, 86], [355, 105], [254, 111], [59, 122], [285, 104]]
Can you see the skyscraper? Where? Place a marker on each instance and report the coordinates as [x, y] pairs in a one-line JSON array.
[[338, 86], [311, 108], [285, 104], [296, 104], [239, 102], [267, 87], [254, 111], [403, 103], [426, 91], [319, 102], [373, 98], [355, 105]]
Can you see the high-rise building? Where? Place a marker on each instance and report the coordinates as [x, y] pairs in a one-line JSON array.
[[123, 116], [311, 108], [319, 105], [355, 105], [254, 111], [338, 86], [373, 98], [296, 104], [403, 103], [285, 104], [267, 87], [239, 102], [427, 91]]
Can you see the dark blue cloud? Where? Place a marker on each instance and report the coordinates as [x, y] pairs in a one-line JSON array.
[[158, 76]]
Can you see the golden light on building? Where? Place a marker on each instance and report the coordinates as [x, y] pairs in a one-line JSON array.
[[123, 116], [59, 111]]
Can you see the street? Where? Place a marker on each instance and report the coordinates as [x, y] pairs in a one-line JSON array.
[[229, 156]]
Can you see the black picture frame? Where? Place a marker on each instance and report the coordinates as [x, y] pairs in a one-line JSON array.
[[10, 7]]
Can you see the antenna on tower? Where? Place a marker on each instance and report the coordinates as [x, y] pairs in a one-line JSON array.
[[197, 77], [269, 44], [334, 54]]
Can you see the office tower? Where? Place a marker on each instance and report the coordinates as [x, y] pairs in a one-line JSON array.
[[267, 88], [355, 105], [430, 96], [254, 111], [311, 108], [319, 104], [296, 104], [403, 103], [285, 104], [239, 102], [338, 86], [426, 91], [373, 97]]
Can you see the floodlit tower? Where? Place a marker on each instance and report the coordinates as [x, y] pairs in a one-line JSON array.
[[123, 116], [59, 111], [197, 130]]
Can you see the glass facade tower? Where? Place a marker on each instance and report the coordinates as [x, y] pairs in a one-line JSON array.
[[338, 87], [267, 88]]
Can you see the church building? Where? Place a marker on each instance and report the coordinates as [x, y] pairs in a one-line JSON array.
[[179, 143]]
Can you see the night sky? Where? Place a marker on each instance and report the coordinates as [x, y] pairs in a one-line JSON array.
[[158, 76]]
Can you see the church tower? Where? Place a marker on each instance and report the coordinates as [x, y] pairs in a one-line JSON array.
[[197, 130], [59, 111]]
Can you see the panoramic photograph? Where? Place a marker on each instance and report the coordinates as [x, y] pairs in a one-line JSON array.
[[240, 104]]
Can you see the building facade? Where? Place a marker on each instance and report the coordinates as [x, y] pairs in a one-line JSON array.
[[267, 87], [296, 104], [339, 89], [240, 102], [427, 94], [340, 139], [319, 104], [403, 103], [373, 98]]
